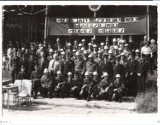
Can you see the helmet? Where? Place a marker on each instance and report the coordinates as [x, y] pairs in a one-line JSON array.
[[82, 48], [118, 76], [126, 44], [119, 49], [69, 74], [61, 50], [94, 46], [51, 50], [80, 44], [90, 56], [100, 52], [69, 44], [106, 47], [102, 44], [114, 40], [83, 40], [105, 74], [73, 50], [63, 53], [110, 51], [95, 73], [89, 44], [77, 53], [46, 70], [59, 73], [137, 51], [86, 73], [85, 52]]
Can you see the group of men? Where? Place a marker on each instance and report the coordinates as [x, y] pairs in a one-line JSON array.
[[84, 70]]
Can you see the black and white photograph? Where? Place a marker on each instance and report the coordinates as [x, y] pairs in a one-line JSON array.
[[79, 60]]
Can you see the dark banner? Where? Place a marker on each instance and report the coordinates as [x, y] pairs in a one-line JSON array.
[[129, 25]]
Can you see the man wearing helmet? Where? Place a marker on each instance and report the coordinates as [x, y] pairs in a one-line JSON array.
[[117, 89], [47, 84], [86, 89]]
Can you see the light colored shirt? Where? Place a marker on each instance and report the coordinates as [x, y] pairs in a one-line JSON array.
[[145, 50]]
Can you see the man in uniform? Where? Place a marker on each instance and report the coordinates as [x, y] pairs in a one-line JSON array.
[[79, 63], [76, 85], [91, 66], [47, 84], [59, 83], [103, 87], [86, 89], [117, 89], [106, 66], [68, 66], [132, 76], [141, 75], [118, 69], [22, 74], [36, 80]]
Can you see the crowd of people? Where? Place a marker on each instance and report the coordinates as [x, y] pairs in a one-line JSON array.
[[85, 69]]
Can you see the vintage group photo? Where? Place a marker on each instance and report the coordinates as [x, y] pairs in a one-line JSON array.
[[79, 59]]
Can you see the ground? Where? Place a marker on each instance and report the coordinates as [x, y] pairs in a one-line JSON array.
[[70, 106]]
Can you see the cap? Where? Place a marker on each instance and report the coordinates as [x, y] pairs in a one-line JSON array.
[[59, 73], [46, 70], [118, 76], [86, 73], [105, 74], [137, 51], [69, 74], [95, 73], [114, 40]]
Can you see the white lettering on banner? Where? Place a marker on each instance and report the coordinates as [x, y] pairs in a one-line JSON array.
[[62, 20], [113, 30], [71, 31], [108, 20], [130, 19]]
